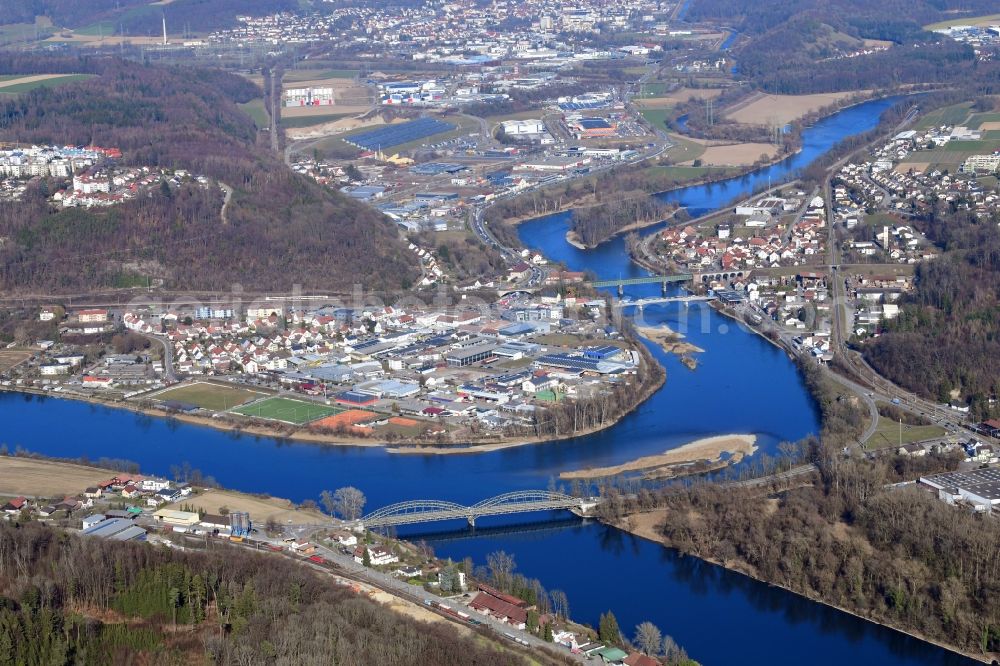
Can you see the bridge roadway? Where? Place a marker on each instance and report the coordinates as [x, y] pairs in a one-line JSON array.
[[652, 279], [426, 511], [640, 303]]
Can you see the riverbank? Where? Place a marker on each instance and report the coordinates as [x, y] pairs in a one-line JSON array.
[[482, 444], [708, 450], [646, 525]]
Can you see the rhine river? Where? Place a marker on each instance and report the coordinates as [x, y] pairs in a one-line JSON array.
[[742, 385]]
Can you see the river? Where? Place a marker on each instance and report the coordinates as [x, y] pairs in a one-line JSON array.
[[742, 385]]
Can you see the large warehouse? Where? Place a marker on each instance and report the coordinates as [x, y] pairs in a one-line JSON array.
[[315, 96], [518, 127]]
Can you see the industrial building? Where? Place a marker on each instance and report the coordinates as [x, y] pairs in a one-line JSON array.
[[978, 487], [115, 529], [521, 127], [313, 96], [463, 357]]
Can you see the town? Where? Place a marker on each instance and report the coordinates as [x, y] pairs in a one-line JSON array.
[[366, 373]]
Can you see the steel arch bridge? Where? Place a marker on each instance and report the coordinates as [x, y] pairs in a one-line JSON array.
[[522, 501]]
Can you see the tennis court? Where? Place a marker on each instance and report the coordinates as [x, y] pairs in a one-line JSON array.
[[288, 410]]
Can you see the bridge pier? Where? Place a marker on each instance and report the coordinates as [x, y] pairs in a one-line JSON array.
[[472, 521], [621, 290], [663, 288]]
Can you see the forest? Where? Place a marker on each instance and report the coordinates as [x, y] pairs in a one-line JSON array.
[[899, 556], [280, 228], [946, 340], [787, 47], [68, 600]]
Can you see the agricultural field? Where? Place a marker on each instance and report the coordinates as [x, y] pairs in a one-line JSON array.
[[737, 154], [288, 410], [22, 84], [949, 115], [984, 121], [261, 509], [765, 109], [206, 395], [299, 75], [47, 478], [665, 99]]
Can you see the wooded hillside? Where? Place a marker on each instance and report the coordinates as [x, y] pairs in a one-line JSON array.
[[68, 600], [791, 47], [281, 229], [947, 334]]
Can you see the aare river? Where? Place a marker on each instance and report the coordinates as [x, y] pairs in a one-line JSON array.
[[742, 385]]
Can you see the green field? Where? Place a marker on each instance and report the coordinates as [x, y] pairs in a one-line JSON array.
[[653, 89], [657, 118], [683, 149], [977, 119], [951, 155], [255, 109], [319, 74], [288, 410], [949, 115], [309, 121], [214, 397], [18, 88], [887, 433], [105, 28]]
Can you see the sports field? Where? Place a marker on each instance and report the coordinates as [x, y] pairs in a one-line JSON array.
[[288, 410], [215, 397]]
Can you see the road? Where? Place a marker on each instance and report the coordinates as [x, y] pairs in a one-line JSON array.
[[169, 376], [867, 382], [225, 202]]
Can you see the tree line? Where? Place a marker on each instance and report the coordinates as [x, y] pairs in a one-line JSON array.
[[64, 600], [847, 537]]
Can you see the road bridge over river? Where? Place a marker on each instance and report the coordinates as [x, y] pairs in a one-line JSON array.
[[522, 501]]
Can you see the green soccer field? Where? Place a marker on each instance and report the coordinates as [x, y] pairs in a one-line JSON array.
[[288, 410], [215, 397]]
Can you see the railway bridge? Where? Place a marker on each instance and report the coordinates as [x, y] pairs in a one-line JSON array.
[[522, 501], [662, 280]]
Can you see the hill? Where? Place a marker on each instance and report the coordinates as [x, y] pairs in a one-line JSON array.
[[806, 46], [139, 16], [68, 600], [280, 229]]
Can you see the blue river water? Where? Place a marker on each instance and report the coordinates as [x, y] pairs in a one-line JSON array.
[[742, 385]]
